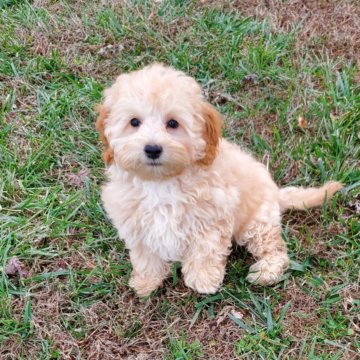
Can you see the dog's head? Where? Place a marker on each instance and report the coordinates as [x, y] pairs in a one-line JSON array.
[[155, 123]]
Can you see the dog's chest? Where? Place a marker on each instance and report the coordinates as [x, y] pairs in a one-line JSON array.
[[165, 217]]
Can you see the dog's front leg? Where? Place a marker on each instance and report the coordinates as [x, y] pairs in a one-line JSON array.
[[204, 265], [149, 270]]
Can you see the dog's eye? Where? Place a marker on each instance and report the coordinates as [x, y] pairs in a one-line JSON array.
[[135, 122], [173, 124]]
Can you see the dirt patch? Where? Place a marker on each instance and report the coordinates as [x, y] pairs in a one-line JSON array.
[[123, 327], [301, 315], [216, 340], [328, 26], [350, 297], [314, 236]]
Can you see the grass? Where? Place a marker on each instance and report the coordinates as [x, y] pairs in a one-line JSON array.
[[73, 301]]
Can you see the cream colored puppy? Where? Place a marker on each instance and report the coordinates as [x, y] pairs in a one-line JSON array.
[[176, 191]]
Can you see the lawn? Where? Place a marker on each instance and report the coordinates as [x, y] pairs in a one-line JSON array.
[[286, 77]]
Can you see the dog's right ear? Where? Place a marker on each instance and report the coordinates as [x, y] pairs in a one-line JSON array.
[[108, 152]]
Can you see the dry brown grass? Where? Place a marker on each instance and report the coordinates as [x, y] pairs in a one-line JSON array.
[[118, 329], [328, 26]]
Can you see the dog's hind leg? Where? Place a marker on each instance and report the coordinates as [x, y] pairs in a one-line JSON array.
[[262, 237], [269, 249]]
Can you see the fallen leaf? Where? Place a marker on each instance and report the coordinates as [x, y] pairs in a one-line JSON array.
[[110, 50], [105, 49], [78, 179], [355, 205], [222, 316], [14, 266], [236, 314], [302, 122]]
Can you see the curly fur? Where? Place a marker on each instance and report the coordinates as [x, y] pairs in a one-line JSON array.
[[202, 193]]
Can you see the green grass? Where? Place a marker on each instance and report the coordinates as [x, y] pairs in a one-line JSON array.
[[75, 302]]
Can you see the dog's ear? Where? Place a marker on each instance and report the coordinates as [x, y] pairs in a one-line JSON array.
[[211, 133], [108, 152]]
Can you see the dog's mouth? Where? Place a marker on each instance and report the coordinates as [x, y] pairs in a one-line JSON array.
[[154, 163]]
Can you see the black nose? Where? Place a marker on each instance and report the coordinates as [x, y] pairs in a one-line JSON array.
[[153, 151]]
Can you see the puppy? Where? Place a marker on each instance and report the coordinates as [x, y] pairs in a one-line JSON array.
[[176, 191]]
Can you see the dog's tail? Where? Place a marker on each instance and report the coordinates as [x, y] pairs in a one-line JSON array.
[[300, 198]]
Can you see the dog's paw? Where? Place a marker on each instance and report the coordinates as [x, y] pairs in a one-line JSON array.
[[267, 271], [143, 285], [203, 288], [202, 280]]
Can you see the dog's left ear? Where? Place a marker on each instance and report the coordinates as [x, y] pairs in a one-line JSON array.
[[211, 132], [108, 152]]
